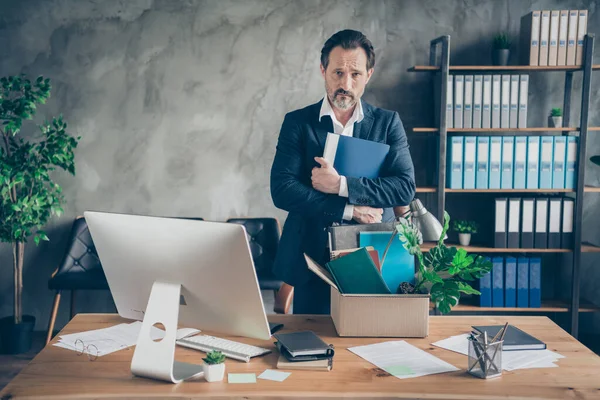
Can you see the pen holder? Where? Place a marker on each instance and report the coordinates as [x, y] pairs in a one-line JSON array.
[[485, 361]]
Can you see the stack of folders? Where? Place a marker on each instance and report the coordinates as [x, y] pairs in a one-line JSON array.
[[512, 162], [539, 223], [513, 282], [303, 350], [487, 101], [553, 37]]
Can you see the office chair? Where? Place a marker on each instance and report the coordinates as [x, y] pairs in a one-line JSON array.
[[263, 235]]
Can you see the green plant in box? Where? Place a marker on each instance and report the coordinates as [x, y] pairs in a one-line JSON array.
[[445, 270]]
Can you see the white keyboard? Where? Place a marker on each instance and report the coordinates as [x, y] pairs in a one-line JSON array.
[[231, 349]]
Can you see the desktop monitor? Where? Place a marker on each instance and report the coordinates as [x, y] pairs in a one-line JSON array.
[[211, 261]]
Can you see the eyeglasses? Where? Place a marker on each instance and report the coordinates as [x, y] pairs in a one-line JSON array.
[[92, 350]]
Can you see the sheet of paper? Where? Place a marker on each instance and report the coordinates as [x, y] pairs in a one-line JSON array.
[[241, 378], [272, 375], [402, 359]]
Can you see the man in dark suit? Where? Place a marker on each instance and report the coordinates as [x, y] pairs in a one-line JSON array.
[[311, 190]]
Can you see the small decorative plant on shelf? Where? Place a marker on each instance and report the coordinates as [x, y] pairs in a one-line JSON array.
[[501, 49], [443, 271], [464, 229], [214, 366], [556, 117]]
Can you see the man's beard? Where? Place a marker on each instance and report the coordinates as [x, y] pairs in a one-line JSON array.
[[343, 103]]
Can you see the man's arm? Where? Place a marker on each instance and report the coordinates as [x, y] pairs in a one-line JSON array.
[[289, 189], [396, 187]]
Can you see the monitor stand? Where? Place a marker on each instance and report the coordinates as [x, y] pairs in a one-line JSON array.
[[156, 359]]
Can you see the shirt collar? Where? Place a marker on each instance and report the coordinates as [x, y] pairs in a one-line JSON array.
[[326, 109]]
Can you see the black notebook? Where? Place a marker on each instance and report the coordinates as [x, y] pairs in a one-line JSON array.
[[304, 343], [515, 339]]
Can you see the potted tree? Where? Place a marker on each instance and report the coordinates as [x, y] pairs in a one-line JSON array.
[[214, 366], [501, 49], [28, 195], [556, 117], [464, 229], [443, 271]]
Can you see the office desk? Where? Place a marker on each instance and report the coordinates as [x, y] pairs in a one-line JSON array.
[[62, 374]]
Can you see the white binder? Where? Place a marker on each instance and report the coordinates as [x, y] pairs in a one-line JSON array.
[[500, 223], [572, 37], [541, 224], [562, 37], [496, 96], [566, 240], [505, 102], [458, 100], [544, 36], [514, 101], [477, 98], [553, 43], [527, 224], [581, 31], [468, 102], [449, 103], [486, 113], [523, 97], [514, 220], [554, 219]]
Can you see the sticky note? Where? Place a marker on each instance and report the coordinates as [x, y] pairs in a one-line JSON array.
[[241, 378], [272, 375], [399, 370]]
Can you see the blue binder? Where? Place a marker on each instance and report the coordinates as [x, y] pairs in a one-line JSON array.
[[535, 282], [469, 157], [510, 282], [523, 282], [355, 157], [520, 162], [495, 161], [546, 156], [570, 174], [483, 161], [560, 157], [399, 265], [497, 282], [508, 144], [485, 287], [533, 162], [455, 162]]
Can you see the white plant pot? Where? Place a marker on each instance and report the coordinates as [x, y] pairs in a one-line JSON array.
[[213, 372], [557, 122], [464, 239]]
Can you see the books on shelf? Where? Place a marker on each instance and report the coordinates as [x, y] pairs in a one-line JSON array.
[[513, 282], [512, 162], [553, 37]]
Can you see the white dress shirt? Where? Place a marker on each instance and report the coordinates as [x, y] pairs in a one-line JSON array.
[[347, 130]]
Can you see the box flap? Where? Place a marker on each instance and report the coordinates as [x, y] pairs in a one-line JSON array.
[[320, 271]]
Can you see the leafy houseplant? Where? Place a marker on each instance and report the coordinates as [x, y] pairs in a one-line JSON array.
[[28, 196], [464, 230], [501, 49], [556, 117], [214, 366], [444, 270]]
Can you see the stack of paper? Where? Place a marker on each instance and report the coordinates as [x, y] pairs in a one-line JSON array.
[[511, 360], [402, 360], [109, 340]]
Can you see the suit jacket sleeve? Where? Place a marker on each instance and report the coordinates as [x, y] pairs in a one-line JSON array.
[[396, 186], [291, 189]]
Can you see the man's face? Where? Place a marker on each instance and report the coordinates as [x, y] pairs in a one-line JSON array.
[[346, 76]]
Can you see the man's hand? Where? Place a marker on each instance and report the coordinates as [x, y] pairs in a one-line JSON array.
[[367, 215], [325, 179]]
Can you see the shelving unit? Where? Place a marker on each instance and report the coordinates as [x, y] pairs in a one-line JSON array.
[[439, 63]]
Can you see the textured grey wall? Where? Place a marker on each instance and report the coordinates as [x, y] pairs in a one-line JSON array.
[[179, 103]]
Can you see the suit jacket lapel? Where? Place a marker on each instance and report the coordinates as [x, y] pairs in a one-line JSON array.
[[362, 129], [321, 127]]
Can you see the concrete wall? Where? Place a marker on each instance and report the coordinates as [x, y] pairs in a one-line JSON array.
[[179, 103]]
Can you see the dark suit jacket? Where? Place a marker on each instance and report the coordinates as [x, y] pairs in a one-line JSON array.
[[302, 138]]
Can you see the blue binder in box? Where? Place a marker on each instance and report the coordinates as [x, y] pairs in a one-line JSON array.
[[399, 265]]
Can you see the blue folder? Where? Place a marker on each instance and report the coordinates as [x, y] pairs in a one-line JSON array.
[[520, 162], [469, 162], [485, 287], [497, 282], [508, 159], [570, 171], [560, 157], [455, 162], [523, 282], [535, 282], [399, 265], [495, 161], [355, 157], [483, 162], [546, 157], [533, 163], [510, 282]]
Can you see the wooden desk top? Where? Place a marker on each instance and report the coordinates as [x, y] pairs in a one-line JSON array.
[[60, 374]]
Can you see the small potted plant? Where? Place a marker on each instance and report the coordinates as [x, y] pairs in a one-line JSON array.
[[501, 49], [214, 366], [464, 230], [556, 117]]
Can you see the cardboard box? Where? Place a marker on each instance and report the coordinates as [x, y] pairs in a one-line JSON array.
[[369, 315]]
